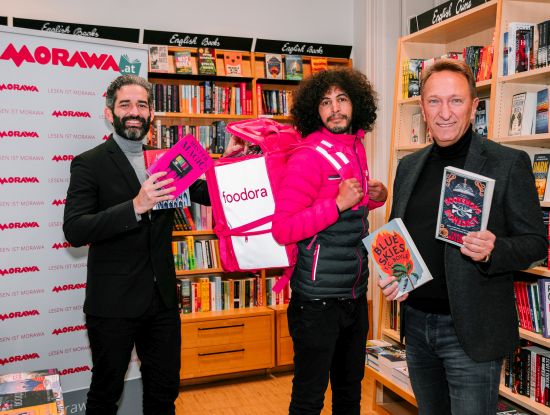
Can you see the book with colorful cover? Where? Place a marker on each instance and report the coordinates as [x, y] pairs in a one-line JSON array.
[[541, 116], [39, 402], [158, 58], [183, 62], [294, 69], [233, 63], [183, 200], [207, 61], [318, 64], [394, 253], [464, 204], [522, 116], [185, 162], [273, 66], [541, 163], [482, 117]]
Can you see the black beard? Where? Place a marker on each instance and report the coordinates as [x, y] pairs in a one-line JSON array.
[[131, 133], [340, 130]]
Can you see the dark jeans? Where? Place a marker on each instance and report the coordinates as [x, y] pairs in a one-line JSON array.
[[157, 337], [329, 341], [445, 380]]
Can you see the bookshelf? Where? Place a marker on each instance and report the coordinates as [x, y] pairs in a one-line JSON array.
[[481, 25]]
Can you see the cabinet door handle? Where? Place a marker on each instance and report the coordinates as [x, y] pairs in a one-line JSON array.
[[227, 351], [221, 327]]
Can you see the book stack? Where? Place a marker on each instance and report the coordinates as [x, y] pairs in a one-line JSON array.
[[373, 349]]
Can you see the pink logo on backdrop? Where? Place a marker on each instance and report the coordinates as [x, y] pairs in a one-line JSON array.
[[69, 329], [105, 137], [18, 358], [18, 134], [73, 114], [18, 270], [18, 180], [57, 56], [68, 287], [63, 157], [74, 370], [61, 245], [18, 225], [18, 87], [59, 202], [19, 314]]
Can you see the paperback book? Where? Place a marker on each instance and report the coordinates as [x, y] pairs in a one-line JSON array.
[[273, 66], [394, 254], [183, 62], [464, 204], [318, 64], [293, 67], [233, 63], [481, 118], [185, 162], [522, 116], [158, 58], [540, 171], [541, 116], [207, 61]]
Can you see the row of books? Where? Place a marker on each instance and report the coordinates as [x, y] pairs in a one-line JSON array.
[[525, 47], [532, 304], [206, 98], [213, 138], [193, 218], [479, 58], [527, 372], [191, 254], [273, 298], [274, 102], [529, 113], [213, 293], [202, 61], [31, 393]]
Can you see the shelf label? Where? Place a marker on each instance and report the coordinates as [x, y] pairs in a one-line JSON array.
[[193, 40], [442, 12], [85, 30], [287, 47]]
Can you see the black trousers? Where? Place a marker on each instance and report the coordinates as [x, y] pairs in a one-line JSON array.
[[329, 337], [157, 338]]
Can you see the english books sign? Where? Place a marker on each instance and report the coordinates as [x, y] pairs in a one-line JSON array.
[[442, 12]]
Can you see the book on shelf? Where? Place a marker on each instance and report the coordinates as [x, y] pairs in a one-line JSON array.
[[541, 116], [158, 58], [544, 299], [464, 204], [273, 66], [543, 57], [522, 115], [481, 119], [418, 129], [206, 61], [318, 64], [510, 40], [294, 69], [394, 253], [183, 62], [182, 200], [412, 69], [541, 163], [233, 63], [505, 407], [185, 162]]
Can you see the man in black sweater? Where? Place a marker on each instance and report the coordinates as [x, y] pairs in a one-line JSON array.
[[459, 326]]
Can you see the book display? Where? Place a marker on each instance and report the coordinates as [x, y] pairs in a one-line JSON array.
[[514, 35]]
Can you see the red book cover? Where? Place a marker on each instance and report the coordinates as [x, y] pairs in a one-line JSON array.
[[185, 162]]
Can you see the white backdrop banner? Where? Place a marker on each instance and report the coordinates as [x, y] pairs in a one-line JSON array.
[[52, 95]]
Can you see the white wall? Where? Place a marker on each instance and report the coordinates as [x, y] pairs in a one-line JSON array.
[[320, 21]]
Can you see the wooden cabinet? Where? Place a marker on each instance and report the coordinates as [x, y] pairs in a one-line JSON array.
[[223, 342], [284, 348]]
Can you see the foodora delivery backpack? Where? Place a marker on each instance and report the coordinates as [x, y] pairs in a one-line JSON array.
[[243, 191]]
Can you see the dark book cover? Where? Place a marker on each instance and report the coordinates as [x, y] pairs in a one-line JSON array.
[[207, 61]]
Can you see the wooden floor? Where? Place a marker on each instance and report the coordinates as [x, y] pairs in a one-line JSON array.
[[257, 395]]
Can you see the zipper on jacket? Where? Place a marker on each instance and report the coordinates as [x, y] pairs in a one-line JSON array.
[[315, 260], [308, 247], [359, 271]]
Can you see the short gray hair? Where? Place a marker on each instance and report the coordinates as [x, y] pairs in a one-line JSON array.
[[123, 80]]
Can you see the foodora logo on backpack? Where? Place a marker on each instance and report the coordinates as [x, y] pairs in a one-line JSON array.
[[244, 195]]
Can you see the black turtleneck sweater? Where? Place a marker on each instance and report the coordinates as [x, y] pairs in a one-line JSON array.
[[421, 217]]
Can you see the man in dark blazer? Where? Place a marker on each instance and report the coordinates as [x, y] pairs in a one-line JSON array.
[[459, 326], [131, 285]]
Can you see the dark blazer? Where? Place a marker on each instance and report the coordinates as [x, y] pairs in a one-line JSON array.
[[481, 295], [125, 254]]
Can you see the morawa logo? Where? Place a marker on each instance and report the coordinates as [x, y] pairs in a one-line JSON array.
[[73, 114], [18, 134], [69, 329], [59, 202], [18, 87], [62, 157], [73, 370], [18, 225], [68, 287], [57, 56], [18, 180], [19, 314], [18, 270], [61, 245], [18, 358]]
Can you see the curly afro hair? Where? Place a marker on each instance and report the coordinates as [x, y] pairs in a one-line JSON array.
[[305, 105]]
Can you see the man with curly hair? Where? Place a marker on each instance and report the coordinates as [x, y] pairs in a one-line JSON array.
[[324, 210]]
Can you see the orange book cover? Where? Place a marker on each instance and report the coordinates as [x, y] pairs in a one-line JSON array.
[[318, 64], [233, 63]]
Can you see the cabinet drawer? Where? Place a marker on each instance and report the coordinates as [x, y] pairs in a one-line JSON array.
[[228, 358], [226, 331], [282, 325], [285, 351]]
